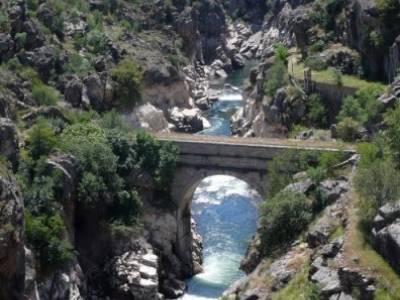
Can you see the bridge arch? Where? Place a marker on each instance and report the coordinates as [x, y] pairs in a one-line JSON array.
[[186, 180]]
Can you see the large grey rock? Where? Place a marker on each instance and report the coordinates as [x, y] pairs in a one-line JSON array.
[[333, 189], [99, 90], [12, 254], [73, 91], [42, 59], [188, 120], [387, 242], [34, 37], [149, 118], [9, 140], [328, 281], [302, 187]]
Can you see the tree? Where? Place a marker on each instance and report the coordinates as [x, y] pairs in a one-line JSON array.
[[41, 140], [283, 217], [128, 79]]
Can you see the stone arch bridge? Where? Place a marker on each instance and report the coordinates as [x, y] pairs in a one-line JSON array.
[[243, 158]]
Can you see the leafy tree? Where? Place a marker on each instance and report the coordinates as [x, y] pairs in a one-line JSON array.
[[46, 234], [393, 132], [41, 140], [283, 217], [348, 129], [128, 79]]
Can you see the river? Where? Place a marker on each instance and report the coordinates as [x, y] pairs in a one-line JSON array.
[[224, 207]]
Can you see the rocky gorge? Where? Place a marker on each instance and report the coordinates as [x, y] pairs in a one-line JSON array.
[[86, 210]]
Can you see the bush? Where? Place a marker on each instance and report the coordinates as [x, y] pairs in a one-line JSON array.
[[284, 165], [388, 9], [316, 111], [128, 79], [276, 77], [41, 140], [78, 64], [393, 132], [348, 130], [315, 63], [337, 76], [97, 163], [377, 184], [283, 217], [281, 53], [96, 41], [46, 235], [44, 95]]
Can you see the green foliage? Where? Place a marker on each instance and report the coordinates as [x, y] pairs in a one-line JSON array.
[[20, 39], [4, 22], [277, 77], [96, 161], [283, 217], [44, 94], [46, 235], [337, 76], [377, 183], [113, 120], [281, 53], [32, 4], [348, 130], [41, 140], [128, 78], [95, 41], [284, 165], [388, 9], [393, 132], [77, 64], [315, 63], [375, 40], [316, 111]]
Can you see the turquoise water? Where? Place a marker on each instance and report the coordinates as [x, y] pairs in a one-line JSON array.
[[224, 208]]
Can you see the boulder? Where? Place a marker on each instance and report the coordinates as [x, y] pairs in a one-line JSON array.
[[34, 37], [42, 59], [333, 189], [6, 47], [197, 249], [302, 187], [73, 91], [387, 243], [187, 120], [328, 281], [173, 288], [99, 91], [12, 253], [9, 141], [149, 118]]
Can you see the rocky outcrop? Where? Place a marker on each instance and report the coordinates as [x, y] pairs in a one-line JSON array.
[[386, 233], [9, 147], [197, 249], [12, 254], [134, 275]]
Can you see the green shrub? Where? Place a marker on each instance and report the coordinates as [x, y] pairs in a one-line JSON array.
[[283, 217], [128, 79], [44, 94], [96, 161], [316, 111], [41, 140], [388, 9], [20, 39], [4, 22], [315, 63], [337, 76], [377, 184], [281, 53], [96, 41], [46, 235], [392, 120], [276, 77], [348, 130], [78, 64], [284, 165]]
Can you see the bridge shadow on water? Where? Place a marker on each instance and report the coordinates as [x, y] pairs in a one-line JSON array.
[[225, 210]]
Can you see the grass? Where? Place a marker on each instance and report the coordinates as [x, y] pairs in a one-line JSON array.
[[388, 281], [296, 68]]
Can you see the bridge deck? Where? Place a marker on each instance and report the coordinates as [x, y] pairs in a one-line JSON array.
[[257, 142]]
